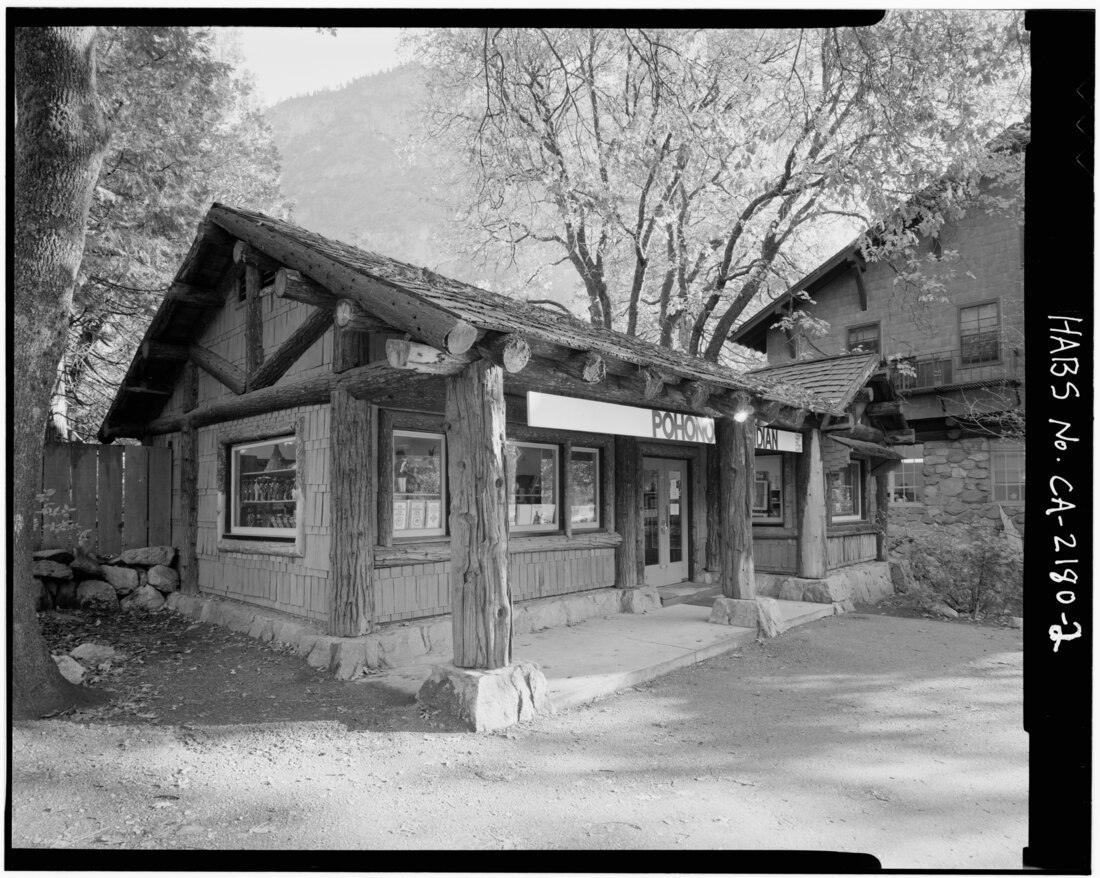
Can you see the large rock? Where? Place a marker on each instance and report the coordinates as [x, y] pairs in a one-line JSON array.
[[123, 579], [93, 654], [86, 567], [60, 556], [144, 598], [163, 579], [828, 591], [641, 600], [150, 556], [488, 700], [51, 570], [96, 593], [70, 668], [760, 614], [769, 619], [901, 577]]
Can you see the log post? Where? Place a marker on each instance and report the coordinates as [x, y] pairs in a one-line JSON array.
[[189, 511], [881, 517], [351, 547], [481, 599], [349, 348], [629, 563], [190, 381], [813, 554], [734, 444], [254, 320], [714, 535]]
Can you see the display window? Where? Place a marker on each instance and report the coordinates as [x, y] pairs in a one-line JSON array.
[[767, 495], [419, 484], [846, 493], [584, 476], [533, 489], [263, 488]]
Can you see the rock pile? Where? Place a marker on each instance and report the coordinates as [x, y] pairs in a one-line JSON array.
[[138, 579], [88, 656]]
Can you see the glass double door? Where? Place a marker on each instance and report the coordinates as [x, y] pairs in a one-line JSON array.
[[664, 520]]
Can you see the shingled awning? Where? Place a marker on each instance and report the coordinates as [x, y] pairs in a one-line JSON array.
[[835, 380], [873, 449]]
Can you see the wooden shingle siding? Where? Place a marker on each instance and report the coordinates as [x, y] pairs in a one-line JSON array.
[[775, 555], [845, 549]]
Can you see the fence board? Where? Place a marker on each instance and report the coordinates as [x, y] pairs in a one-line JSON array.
[[84, 474], [135, 486], [109, 528], [160, 496], [56, 460]]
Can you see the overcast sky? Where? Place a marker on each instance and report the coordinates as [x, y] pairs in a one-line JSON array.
[[289, 61]]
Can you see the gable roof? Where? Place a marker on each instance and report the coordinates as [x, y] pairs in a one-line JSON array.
[[390, 288], [835, 379]]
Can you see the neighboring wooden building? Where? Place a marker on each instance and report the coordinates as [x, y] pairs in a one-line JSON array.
[[358, 442]]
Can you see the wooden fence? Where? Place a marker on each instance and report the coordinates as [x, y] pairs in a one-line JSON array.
[[121, 495]]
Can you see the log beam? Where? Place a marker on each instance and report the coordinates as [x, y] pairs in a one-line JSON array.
[[885, 407], [307, 333], [351, 547], [422, 358], [227, 373], [508, 350], [654, 382], [481, 600], [734, 444], [153, 391], [697, 393], [192, 295], [390, 301], [352, 317], [244, 253], [292, 285], [901, 437], [810, 502], [862, 432], [587, 366], [159, 350]]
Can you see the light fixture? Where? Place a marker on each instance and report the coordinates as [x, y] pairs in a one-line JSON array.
[[742, 407]]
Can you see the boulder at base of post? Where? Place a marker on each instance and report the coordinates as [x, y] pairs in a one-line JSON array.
[[488, 700]]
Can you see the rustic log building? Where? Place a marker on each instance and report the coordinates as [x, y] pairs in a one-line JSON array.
[[359, 442]]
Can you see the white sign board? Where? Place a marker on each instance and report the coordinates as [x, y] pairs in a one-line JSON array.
[[771, 439], [566, 413]]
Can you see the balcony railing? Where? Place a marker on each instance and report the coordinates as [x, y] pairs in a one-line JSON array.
[[976, 364]]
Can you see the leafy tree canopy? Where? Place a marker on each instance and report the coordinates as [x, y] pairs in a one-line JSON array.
[[685, 174], [185, 132]]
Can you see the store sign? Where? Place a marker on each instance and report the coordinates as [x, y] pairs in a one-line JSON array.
[[771, 439], [564, 413]]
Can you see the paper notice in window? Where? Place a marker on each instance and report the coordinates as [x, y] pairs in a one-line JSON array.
[[433, 514], [673, 508], [400, 514], [416, 515]]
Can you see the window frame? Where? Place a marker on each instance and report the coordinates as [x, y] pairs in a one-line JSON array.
[[770, 520], [1001, 447], [597, 479], [556, 526], [876, 325], [964, 363], [858, 491], [405, 534], [892, 484], [231, 530]]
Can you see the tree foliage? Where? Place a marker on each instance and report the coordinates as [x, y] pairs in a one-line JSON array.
[[680, 172], [185, 133]]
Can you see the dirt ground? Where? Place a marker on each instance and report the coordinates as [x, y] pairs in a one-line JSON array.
[[897, 737]]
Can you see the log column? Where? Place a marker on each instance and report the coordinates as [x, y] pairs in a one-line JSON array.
[[189, 511], [629, 567], [352, 543], [810, 498], [481, 599], [734, 444]]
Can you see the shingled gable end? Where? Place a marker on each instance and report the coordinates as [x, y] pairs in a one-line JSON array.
[[353, 443]]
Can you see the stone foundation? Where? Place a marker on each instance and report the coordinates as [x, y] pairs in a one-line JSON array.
[[868, 582], [488, 700], [761, 614]]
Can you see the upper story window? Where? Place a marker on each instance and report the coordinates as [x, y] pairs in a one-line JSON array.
[[906, 483], [767, 495], [979, 334], [864, 339], [263, 494], [419, 484], [846, 492], [533, 486], [1007, 465]]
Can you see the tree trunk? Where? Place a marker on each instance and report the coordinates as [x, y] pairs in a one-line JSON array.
[[60, 139], [734, 443], [481, 599]]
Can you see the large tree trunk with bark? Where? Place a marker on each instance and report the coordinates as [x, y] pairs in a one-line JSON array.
[[60, 138]]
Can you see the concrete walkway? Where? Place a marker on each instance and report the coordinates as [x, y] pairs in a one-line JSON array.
[[609, 653]]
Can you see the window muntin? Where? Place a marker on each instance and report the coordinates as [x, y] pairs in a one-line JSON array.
[[846, 493], [864, 339], [584, 478], [905, 485], [263, 495], [419, 484], [979, 334], [767, 494], [1007, 466], [533, 490]]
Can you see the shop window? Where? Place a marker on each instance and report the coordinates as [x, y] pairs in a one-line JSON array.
[[906, 483], [263, 493], [1007, 462], [864, 339], [419, 484], [979, 334], [767, 495], [533, 493], [846, 493], [584, 479]]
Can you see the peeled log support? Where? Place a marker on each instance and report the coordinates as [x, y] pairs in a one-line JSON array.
[[735, 447], [588, 366], [351, 317], [292, 285], [481, 600], [629, 566], [509, 350], [810, 503]]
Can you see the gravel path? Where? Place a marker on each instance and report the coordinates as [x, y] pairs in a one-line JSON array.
[[897, 737]]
